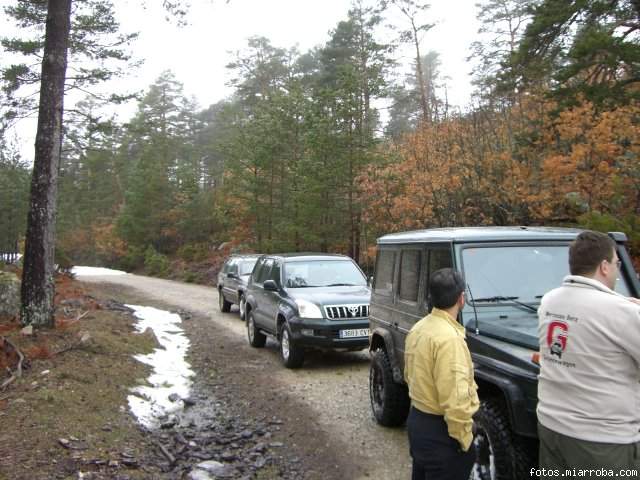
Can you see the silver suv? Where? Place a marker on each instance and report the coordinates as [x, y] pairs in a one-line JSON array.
[[232, 282]]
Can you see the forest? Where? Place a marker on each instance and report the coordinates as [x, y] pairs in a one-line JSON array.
[[327, 149]]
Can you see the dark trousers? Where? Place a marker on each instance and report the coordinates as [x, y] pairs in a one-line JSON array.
[[436, 456]]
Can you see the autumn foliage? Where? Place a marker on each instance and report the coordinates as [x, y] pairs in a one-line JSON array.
[[526, 165]]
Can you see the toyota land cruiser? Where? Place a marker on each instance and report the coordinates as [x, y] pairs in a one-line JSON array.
[[308, 301]]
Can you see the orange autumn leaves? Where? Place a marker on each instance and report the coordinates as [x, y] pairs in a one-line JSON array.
[[594, 165], [527, 165]]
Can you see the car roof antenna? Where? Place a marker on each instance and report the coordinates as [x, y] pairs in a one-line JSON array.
[[475, 312]]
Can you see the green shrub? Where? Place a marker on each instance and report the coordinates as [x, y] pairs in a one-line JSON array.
[[189, 277], [132, 260], [193, 252], [155, 263]]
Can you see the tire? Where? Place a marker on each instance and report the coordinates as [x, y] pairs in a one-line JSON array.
[[242, 304], [500, 454], [225, 306], [389, 400], [256, 338], [292, 355]]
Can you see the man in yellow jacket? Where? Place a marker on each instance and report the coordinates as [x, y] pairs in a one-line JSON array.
[[439, 373]]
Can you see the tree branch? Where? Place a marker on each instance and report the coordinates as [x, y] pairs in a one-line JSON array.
[[18, 372]]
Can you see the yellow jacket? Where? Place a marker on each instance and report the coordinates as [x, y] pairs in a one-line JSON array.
[[439, 372]]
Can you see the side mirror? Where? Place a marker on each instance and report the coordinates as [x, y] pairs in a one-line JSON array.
[[370, 282], [270, 285]]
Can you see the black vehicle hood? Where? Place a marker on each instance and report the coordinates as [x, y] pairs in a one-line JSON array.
[[332, 295], [506, 323]]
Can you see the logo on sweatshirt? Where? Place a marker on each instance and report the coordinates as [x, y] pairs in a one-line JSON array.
[[557, 334]]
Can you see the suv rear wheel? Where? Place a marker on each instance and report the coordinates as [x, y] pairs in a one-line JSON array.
[[389, 400], [292, 354], [256, 338], [500, 455], [222, 302]]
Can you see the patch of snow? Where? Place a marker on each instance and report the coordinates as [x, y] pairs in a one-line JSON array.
[[171, 372], [88, 271], [199, 475], [204, 470]]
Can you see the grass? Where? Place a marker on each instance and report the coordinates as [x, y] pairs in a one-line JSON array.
[[83, 396]]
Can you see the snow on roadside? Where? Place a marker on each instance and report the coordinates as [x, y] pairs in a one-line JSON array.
[[171, 372], [88, 271]]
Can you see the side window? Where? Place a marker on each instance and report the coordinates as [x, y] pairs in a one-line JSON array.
[[256, 271], [438, 258], [275, 273], [233, 267], [410, 264], [264, 272], [385, 265], [225, 267]]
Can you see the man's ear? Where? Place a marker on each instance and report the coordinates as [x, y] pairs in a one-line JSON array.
[[603, 268]]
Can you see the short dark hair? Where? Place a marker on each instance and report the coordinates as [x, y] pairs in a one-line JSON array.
[[588, 250], [445, 287]]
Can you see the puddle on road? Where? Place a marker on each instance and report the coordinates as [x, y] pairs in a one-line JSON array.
[[171, 372]]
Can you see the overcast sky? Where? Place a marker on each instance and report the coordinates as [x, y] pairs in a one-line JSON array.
[[198, 52]]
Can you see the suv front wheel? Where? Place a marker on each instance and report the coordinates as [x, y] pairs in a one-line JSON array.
[[225, 306], [242, 304], [292, 354], [256, 338], [389, 400], [500, 455]]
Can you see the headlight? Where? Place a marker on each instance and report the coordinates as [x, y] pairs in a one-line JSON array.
[[307, 309]]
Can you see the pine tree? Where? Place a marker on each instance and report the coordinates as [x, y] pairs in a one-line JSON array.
[[414, 12], [14, 197], [97, 52], [164, 166], [589, 49], [503, 23], [67, 29], [354, 65], [37, 278]]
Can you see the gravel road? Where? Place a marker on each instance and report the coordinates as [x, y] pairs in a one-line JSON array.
[[332, 388]]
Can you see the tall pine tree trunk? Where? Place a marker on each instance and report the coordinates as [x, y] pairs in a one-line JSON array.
[[424, 104], [38, 287]]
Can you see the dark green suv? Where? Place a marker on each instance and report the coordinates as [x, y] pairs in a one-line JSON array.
[[507, 270]]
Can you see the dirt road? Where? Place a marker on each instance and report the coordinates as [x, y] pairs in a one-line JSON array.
[[324, 406]]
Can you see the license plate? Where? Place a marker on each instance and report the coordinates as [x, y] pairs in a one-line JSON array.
[[354, 333]]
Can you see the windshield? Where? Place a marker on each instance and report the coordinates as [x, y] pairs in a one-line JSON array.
[[322, 273], [245, 266], [507, 283]]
